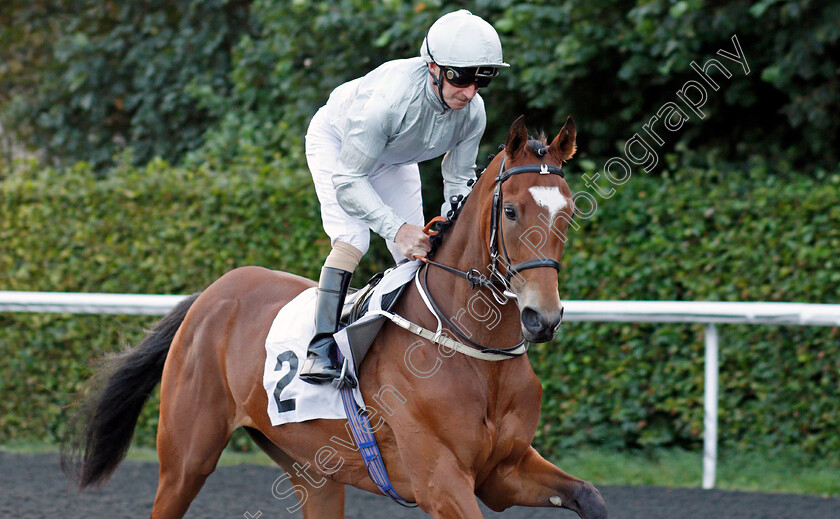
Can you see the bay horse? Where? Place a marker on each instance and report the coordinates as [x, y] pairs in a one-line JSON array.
[[450, 426]]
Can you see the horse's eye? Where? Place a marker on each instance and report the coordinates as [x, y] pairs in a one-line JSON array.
[[510, 213]]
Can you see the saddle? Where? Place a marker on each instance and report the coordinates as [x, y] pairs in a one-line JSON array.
[[360, 335], [357, 302]]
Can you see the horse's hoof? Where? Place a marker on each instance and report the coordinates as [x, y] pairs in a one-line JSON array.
[[589, 503]]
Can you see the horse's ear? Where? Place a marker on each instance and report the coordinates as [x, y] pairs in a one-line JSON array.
[[517, 137], [563, 146]]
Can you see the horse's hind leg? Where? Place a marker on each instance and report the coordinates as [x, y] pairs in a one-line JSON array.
[[190, 441], [195, 424], [324, 502]]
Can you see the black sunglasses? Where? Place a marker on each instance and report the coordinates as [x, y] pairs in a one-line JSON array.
[[464, 77]]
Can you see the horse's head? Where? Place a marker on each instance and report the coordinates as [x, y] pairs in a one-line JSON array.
[[526, 221]]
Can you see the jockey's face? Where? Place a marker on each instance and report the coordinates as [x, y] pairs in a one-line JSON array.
[[456, 97]]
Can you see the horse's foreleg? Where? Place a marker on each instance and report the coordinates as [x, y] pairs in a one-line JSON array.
[[533, 481], [442, 488], [325, 501]]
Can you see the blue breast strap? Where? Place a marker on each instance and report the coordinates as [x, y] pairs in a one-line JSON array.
[[363, 434]]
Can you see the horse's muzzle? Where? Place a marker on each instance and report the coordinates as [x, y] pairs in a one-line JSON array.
[[539, 326]]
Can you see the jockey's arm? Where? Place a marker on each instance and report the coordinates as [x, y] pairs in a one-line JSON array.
[[357, 197], [365, 135]]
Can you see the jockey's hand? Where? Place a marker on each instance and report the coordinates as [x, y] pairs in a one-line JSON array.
[[411, 241]]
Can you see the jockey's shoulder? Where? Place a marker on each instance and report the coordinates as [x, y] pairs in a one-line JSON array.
[[386, 93], [396, 83]]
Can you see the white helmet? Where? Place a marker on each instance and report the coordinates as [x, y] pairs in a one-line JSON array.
[[462, 39]]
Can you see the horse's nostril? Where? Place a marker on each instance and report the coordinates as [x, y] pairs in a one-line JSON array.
[[531, 320]]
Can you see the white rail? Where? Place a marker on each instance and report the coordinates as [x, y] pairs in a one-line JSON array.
[[607, 311], [84, 303]]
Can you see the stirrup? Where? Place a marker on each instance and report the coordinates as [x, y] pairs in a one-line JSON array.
[[345, 379], [317, 376]]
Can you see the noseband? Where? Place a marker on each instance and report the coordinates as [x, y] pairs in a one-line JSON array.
[[496, 281]]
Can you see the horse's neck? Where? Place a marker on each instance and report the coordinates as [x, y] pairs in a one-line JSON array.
[[484, 320]]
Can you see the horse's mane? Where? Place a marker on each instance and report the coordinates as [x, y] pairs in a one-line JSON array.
[[443, 227], [537, 146]]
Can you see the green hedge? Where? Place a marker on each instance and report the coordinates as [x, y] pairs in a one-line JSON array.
[[82, 79], [155, 230], [699, 235]]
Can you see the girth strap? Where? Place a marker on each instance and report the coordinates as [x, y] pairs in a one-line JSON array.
[[366, 442]]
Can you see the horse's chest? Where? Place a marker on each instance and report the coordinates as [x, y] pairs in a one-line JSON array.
[[511, 422]]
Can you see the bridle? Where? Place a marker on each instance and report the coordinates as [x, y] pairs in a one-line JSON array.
[[497, 281], [496, 237]]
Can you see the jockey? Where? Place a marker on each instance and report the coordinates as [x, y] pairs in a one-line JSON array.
[[363, 147]]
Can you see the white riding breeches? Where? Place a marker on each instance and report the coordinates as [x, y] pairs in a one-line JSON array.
[[398, 186]]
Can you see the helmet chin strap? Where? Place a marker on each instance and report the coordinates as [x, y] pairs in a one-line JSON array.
[[438, 82]]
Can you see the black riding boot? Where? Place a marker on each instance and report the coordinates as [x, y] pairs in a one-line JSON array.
[[321, 364]]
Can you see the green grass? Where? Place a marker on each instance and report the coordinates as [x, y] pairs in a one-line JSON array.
[[782, 471], [229, 457]]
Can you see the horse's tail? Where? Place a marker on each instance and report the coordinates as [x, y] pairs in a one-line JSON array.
[[100, 433]]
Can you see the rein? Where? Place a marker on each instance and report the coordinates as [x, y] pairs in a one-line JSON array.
[[497, 281]]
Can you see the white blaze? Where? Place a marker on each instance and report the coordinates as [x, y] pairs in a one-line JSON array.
[[549, 197]]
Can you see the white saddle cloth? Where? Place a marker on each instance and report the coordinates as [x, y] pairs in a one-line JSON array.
[[290, 399]]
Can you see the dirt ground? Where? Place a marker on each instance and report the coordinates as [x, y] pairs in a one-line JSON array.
[[33, 487]]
